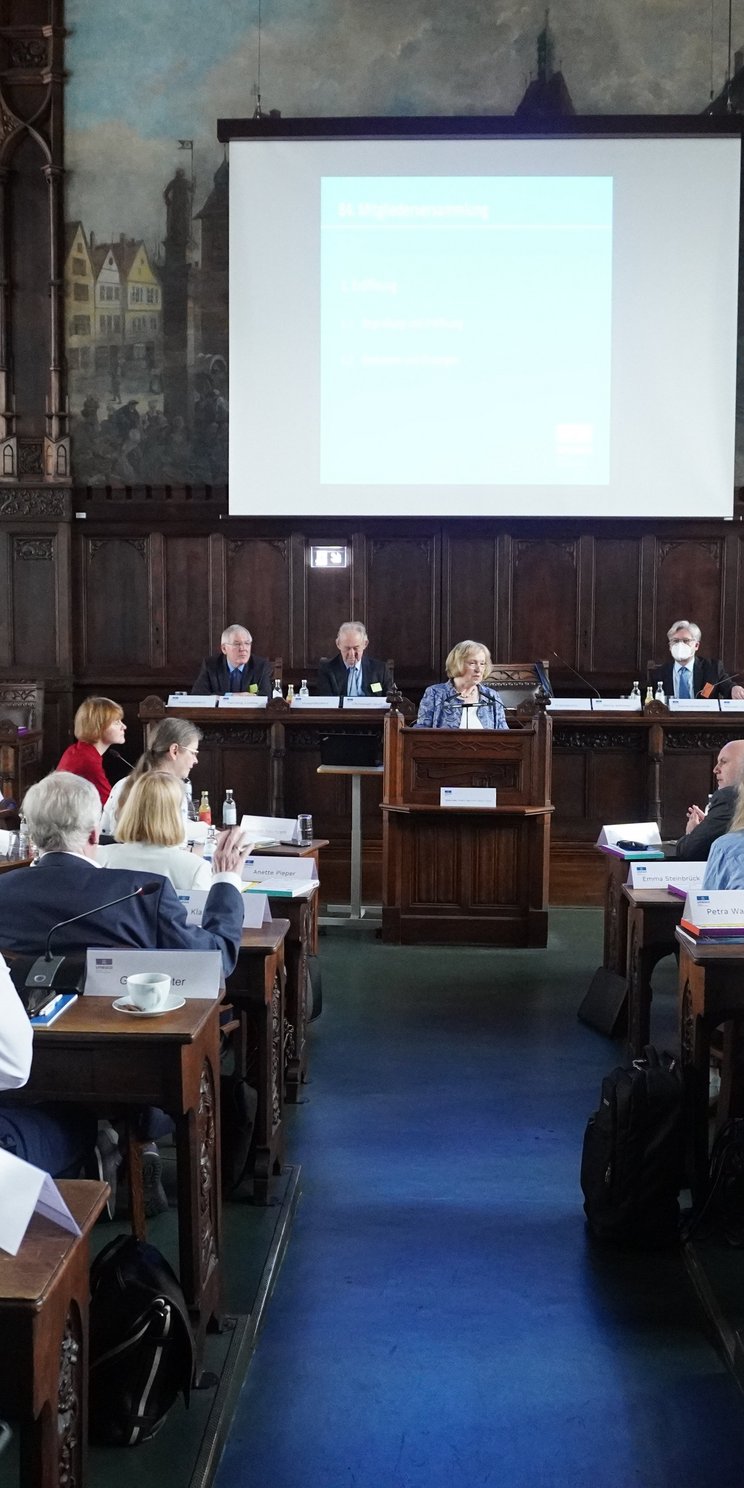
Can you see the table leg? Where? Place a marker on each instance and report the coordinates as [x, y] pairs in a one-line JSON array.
[[199, 1201], [356, 848], [695, 1055]]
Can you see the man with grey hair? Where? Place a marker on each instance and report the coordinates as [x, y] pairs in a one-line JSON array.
[[234, 669], [63, 814], [351, 673], [705, 826], [688, 675]]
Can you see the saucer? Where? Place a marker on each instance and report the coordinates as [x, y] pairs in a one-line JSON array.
[[123, 1005]]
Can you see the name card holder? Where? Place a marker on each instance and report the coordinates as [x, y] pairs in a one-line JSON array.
[[693, 705], [192, 973], [716, 915], [476, 797]]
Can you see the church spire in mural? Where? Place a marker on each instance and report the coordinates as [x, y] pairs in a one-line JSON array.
[[547, 95]]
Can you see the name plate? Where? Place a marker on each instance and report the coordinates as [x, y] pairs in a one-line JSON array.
[[186, 700], [242, 700], [291, 877], [269, 828], [25, 1191], [645, 833], [256, 911], [192, 973], [732, 705], [664, 876], [325, 704], [693, 705], [570, 705], [366, 704], [616, 705], [717, 912], [482, 797]]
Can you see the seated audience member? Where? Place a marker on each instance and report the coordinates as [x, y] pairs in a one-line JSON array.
[[235, 669], [59, 1139], [351, 673], [686, 674], [703, 827], [725, 868], [63, 815], [463, 701], [150, 835], [98, 723], [173, 750]]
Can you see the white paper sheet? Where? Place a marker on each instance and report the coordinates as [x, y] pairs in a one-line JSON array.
[[24, 1191]]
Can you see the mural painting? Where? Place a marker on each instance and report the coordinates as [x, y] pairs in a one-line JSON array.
[[146, 296]]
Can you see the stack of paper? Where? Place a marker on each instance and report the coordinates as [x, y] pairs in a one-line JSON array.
[[288, 877]]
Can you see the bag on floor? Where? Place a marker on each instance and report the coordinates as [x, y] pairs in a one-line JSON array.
[[141, 1345], [632, 1159]]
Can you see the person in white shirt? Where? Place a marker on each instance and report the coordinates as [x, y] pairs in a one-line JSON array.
[[173, 750], [59, 1139], [150, 835]]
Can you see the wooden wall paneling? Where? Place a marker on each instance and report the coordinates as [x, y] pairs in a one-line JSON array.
[[186, 602], [157, 600], [28, 264], [732, 605], [470, 590], [648, 627], [689, 577], [403, 602], [545, 604], [611, 612], [115, 590], [6, 595], [217, 604], [329, 601], [33, 590], [297, 654], [257, 590], [687, 776]]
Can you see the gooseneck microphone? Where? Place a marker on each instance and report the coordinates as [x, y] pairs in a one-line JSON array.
[[46, 975], [583, 680], [118, 756], [710, 687]]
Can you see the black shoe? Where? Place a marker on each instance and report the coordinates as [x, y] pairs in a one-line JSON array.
[[156, 1199], [108, 1160]]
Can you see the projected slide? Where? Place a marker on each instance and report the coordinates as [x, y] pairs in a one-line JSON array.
[[465, 330]]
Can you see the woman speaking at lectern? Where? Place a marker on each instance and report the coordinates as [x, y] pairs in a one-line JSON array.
[[463, 702]]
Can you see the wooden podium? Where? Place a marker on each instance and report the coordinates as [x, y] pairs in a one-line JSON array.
[[466, 875]]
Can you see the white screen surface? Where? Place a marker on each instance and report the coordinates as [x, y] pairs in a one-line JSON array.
[[483, 327]]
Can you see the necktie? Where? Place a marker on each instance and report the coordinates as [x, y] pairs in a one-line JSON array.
[[352, 683], [236, 680], [685, 690]]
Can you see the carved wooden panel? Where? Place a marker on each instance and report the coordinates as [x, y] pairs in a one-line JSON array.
[[689, 577], [115, 616], [257, 591], [470, 592], [403, 601], [613, 624], [29, 273], [31, 600], [187, 588], [545, 598]]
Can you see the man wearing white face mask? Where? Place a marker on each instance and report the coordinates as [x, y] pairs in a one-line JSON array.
[[688, 674]]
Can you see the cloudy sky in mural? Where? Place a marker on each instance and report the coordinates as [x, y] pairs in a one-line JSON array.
[[143, 75]]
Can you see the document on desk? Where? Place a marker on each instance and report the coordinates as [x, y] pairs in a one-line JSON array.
[[192, 973], [291, 877], [256, 910], [25, 1191]]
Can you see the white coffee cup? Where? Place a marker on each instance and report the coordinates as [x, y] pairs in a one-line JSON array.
[[149, 990]]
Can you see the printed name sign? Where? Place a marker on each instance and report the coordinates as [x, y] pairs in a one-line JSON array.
[[256, 911], [665, 876], [717, 912], [192, 973], [647, 833], [467, 795], [289, 876], [25, 1191], [269, 828]]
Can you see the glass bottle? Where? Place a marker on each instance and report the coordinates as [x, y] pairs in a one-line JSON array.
[[304, 689], [660, 693], [290, 692], [635, 692], [229, 810], [205, 810], [190, 806], [649, 694], [276, 691]]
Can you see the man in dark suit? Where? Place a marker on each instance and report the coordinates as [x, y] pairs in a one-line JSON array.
[[704, 827], [351, 673], [235, 669], [687, 674], [63, 814]]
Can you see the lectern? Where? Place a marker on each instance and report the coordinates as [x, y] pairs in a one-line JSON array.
[[466, 874]]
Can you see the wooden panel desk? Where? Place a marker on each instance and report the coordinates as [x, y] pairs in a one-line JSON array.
[[98, 1057], [20, 759], [44, 1293], [711, 992], [256, 991], [653, 917], [299, 914]]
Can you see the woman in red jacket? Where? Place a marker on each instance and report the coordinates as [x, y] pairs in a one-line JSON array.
[[98, 723]]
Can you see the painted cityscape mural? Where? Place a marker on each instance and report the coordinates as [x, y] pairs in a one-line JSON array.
[[146, 251]]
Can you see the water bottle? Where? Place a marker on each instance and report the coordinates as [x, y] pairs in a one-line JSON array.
[[276, 691], [635, 692], [290, 692], [660, 693], [649, 695], [304, 689], [229, 810], [24, 843], [190, 807]]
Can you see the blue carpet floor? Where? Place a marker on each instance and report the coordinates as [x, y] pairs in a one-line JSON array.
[[440, 1318]]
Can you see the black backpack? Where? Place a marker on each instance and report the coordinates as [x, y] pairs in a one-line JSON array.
[[141, 1345], [632, 1159]]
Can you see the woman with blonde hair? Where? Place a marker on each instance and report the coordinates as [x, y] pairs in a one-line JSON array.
[[150, 835], [464, 702], [99, 722], [174, 750]]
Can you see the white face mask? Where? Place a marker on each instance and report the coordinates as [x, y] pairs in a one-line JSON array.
[[682, 650]]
